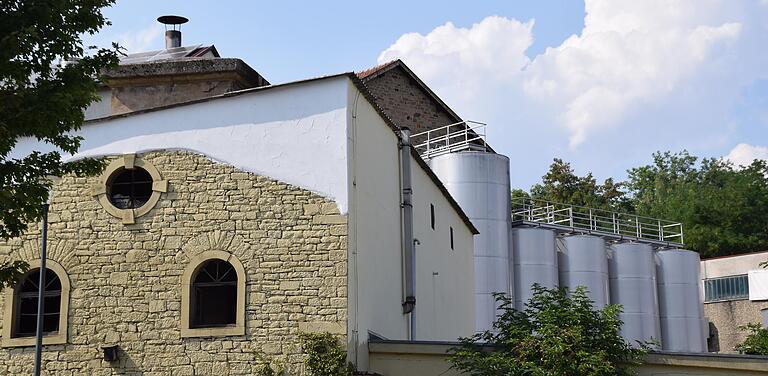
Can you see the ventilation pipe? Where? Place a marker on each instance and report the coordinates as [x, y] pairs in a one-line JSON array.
[[173, 36], [409, 243]]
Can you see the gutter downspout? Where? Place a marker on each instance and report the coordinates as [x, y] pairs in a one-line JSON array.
[[409, 259]]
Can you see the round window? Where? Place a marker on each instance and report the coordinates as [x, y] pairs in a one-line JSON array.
[[129, 188]]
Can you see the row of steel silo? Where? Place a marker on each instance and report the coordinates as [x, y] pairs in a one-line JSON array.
[[658, 289]]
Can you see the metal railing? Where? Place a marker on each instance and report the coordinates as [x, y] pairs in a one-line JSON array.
[[597, 221], [451, 138]]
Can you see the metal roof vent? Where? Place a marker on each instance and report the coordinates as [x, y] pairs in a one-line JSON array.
[[173, 36]]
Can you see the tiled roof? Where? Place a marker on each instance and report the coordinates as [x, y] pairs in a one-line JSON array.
[[379, 68]]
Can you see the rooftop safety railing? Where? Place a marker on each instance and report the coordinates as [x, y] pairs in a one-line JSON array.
[[465, 135], [597, 221]]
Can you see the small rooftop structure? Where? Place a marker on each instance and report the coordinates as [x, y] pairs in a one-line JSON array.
[[176, 53]]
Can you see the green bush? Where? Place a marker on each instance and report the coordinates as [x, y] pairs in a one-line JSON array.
[[269, 367], [325, 355], [555, 335], [756, 342]]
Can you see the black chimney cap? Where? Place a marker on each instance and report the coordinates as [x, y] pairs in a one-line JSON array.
[[172, 20]]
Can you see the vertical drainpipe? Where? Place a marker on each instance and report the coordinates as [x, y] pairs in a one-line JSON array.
[[409, 259]]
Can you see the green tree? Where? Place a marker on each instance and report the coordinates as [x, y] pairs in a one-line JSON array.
[[557, 334], [756, 342], [42, 99], [561, 184], [724, 209], [325, 356]]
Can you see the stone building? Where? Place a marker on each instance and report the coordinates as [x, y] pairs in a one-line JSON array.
[[233, 215], [735, 294]]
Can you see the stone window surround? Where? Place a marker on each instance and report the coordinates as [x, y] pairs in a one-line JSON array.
[[186, 283], [129, 161], [60, 337]]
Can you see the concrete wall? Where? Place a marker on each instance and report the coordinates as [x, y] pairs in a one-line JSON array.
[[101, 108], [732, 265], [445, 303], [126, 279], [444, 276], [727, 316], [429, 359]]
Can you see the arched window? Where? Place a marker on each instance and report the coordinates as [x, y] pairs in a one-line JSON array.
[[20, 319], [213, 296], [25, 320]]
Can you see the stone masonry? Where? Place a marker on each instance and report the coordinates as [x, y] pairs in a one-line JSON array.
[[406, 103], [126, 279]]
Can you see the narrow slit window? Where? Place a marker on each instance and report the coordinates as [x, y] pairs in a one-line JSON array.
[[432, 215], [451, 238]]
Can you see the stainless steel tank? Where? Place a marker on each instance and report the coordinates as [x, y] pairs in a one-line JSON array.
[[534, 260], [632, 279], [681, 309], [479, 181], [583, 261]]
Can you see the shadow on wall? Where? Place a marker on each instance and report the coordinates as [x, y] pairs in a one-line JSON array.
[[124, 365], [713, 342]]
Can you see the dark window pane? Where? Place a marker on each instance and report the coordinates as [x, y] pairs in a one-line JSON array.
[[26, 304], [52, 304], [129, 189], [215, 305], [50, 323], [26, 326], [216, 271], [214, 295]]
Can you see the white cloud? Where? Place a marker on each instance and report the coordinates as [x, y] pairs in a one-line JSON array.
[[626, 54], [464, 60], [745, 154], [146, 39], [640, 76]]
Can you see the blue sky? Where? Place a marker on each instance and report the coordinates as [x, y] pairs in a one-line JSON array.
[[602, 84]]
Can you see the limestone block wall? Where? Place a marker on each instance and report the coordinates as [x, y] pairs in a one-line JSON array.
[[126, 279]]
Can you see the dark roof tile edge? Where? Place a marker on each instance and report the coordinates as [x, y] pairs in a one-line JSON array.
[[395, 128]]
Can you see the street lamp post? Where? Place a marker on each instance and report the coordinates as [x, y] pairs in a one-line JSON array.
[[41, 291]]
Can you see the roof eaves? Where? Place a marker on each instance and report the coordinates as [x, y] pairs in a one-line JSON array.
[[212, 98]]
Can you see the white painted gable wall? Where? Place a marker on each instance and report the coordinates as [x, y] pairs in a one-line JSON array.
[[295, 134]]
